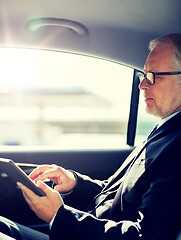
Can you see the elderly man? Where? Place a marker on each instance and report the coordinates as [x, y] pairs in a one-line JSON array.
[[142, 200]]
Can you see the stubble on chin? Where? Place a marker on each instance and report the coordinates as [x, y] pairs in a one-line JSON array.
[[154, 110]]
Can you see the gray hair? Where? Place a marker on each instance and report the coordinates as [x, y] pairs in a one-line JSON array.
[[175, 39]]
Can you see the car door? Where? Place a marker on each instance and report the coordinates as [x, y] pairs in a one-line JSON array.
[[97, 150]]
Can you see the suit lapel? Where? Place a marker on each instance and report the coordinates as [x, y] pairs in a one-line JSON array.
[[170, 126], [120, 172], [114, 182], [164, 129]]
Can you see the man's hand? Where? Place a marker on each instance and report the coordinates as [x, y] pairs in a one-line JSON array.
[[44, 207], [65, 180]]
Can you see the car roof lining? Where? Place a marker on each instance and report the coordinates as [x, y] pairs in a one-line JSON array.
[[118, 30]]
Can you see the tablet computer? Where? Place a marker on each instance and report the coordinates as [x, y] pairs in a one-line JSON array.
[[16, 174]]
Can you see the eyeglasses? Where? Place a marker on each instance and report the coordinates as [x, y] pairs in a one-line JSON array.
[[150, 76]]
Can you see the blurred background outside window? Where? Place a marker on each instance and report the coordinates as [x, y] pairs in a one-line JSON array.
[[69, 101]]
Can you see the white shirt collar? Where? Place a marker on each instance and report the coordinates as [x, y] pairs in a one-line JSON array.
[[166, 119]]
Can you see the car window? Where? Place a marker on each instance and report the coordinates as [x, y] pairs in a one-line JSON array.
[[50, 98], [146, 122]]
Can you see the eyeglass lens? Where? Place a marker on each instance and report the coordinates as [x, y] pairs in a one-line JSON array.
[[150, 78]]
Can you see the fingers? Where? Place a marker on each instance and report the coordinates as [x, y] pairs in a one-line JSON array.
[[64, 179], [44, 207], [29, 195], [46, 189], [39, 170], [43, 172], [26, 190], [53, 174], [59, 188]]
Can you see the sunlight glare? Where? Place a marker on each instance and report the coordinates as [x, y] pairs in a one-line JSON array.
[[15, 65]]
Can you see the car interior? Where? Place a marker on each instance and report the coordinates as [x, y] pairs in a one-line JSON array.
[[67, 121]]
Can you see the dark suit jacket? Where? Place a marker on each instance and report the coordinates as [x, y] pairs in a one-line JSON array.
[[142, 200]]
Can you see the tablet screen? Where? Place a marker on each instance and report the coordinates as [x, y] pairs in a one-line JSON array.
[[16, 174]]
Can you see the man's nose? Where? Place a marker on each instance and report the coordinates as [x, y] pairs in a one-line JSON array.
[[143, 84]]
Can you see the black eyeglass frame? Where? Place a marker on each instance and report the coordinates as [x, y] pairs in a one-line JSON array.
[[157, 73]]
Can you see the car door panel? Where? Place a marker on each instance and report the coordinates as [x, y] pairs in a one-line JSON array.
[[98, 164]]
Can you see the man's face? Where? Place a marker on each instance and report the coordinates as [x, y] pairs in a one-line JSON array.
[[164, 97]]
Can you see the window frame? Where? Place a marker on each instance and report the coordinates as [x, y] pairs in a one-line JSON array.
[[133, 114]]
